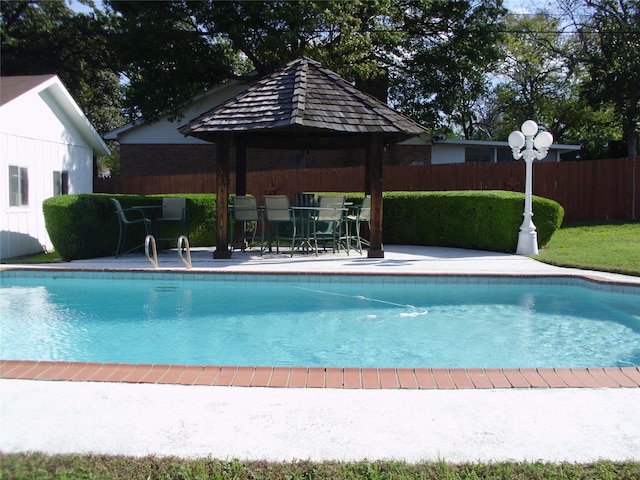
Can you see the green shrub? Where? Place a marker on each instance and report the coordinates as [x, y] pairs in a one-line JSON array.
[[86, 226], [482, 220], [81, 226]]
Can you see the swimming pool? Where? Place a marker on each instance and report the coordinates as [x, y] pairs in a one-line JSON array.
[[318, 320]]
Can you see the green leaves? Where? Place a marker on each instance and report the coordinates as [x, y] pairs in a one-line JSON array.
[[47, 37], [449, 47], [610, 41], [458, 66]]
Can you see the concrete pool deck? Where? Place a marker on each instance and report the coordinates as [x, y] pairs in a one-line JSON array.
[[281, 424]]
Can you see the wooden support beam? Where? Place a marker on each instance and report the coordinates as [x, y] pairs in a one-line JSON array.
[[374, 162], [223, 152]]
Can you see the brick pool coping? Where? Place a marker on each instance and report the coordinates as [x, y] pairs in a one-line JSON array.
[[320, 377]]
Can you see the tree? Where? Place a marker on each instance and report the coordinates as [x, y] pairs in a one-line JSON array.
[[449, 47], [535, 79], [609, 33], [165, 56], [47, 37], [182, 48], [539, 79]]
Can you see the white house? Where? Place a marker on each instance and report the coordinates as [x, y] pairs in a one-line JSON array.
[[444, 150], [165, 130], [47, 147]]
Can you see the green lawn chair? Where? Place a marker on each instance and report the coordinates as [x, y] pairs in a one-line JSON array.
[[126, 224]]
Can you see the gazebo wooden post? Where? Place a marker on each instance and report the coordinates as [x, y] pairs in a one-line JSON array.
[[223, 148], [241, 188], [374, 161]]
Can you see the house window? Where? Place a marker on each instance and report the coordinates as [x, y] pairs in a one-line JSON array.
[[60, 183], [504, 155], [478, 154], [18, 186]]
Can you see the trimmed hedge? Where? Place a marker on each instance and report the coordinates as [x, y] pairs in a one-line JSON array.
[[479, 220], [85, 226]]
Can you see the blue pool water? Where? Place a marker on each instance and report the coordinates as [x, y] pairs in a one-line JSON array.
[[317, 321]]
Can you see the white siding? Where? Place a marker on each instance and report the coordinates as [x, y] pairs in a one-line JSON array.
[[165, 131], [35, 133], [22, 228]]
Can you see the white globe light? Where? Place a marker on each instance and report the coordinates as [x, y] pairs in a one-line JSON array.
[[516, 140], [543, 140], [529, 128]]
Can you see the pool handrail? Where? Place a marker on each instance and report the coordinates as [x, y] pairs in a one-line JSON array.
[[150, 240], [183, 243]]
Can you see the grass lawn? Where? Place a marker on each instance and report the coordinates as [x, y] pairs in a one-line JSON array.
[[605, 246], [104, 467], [51, 257]]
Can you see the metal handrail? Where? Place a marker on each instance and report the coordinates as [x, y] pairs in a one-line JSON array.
[[147, 241], [183, 243]]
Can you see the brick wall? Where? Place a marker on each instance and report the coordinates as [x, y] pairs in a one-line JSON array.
[[161, 159], [166, 159]]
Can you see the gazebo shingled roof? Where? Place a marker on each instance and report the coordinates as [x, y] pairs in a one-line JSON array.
[[311, 107], [303, 97]]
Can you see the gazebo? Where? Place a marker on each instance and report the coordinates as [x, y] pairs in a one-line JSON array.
[[303, 106]]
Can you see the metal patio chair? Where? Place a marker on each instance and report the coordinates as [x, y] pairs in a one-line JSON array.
[[245, 211], [281, 222], [126, 223], [327, 224], [173, 221], [355, 221]]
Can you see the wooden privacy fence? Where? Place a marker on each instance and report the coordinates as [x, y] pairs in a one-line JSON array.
[[588, 190]]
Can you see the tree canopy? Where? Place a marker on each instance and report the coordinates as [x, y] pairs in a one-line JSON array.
[[449, 47], [47, 37], [463, 67], [609, 34]]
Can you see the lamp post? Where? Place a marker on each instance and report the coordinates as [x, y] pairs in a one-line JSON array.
[[536, 145]]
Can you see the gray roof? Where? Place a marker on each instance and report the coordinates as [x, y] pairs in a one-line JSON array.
[[303, 97], [13, 86]]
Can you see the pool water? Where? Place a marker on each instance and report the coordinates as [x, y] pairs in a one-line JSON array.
[[365, 322]]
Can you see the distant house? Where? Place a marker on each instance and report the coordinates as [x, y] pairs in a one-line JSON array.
[[445, 151], [157, 148], [47, 148]]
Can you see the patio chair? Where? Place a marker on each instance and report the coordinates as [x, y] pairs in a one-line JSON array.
[[125, 224], [328, 222], [245, 211], [173, 222], [355, 221], [281, 222]]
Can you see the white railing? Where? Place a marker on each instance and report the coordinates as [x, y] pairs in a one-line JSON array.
[[153, 255], [183, 244]]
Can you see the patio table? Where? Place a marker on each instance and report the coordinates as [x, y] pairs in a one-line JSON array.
[[152, 213], [304, 215]]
